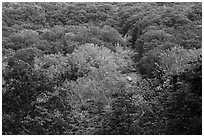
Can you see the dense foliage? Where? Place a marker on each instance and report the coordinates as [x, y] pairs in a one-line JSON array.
[[102, 68]]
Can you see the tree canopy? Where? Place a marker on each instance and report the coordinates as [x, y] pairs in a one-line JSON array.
[[106, 68]]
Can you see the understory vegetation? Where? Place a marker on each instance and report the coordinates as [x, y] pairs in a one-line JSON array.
[[101, 68]]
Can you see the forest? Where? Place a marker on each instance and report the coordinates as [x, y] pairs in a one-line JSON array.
[[101, 68]]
